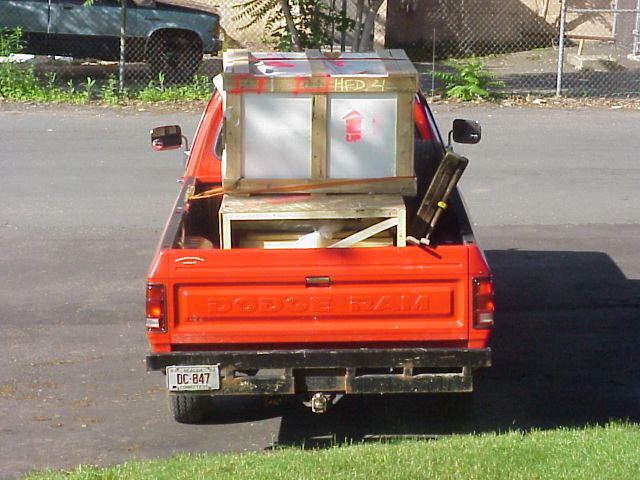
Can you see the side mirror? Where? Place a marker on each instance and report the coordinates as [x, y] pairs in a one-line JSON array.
[[465, 131], [166, 138]]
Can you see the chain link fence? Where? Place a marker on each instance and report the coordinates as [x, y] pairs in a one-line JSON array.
[[601, 52], [518, 41]]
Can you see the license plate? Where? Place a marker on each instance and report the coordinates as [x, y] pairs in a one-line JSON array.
[[193, 378]]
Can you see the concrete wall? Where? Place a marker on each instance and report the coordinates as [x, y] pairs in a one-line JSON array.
[[482, 26]]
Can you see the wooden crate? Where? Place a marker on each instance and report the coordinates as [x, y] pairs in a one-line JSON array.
[[310, 122], [344, 220]]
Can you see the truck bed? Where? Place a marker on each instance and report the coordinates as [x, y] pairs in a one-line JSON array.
[[246, 297]]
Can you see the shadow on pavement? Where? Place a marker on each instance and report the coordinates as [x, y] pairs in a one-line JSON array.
[[565, 354], [238, 409]]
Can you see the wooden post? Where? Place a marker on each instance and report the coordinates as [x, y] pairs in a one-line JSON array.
[[319, 137]]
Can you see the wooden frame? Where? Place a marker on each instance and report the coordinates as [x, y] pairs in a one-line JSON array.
[[392, 74], [388, 211]]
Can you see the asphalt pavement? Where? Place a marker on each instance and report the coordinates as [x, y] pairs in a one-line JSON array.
[[554, 197]]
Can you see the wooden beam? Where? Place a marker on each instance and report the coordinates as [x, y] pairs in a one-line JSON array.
[[590, 37], [351, 240], [404, 135], [401, 185], [319, 137], [232, 157]]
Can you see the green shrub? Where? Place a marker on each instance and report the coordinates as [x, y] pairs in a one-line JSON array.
[[469, 81], [17, 82], [109, 91]]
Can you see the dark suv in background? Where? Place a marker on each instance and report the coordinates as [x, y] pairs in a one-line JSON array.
[[171, 38]]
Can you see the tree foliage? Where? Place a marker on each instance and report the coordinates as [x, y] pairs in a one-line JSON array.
[[308, 23]]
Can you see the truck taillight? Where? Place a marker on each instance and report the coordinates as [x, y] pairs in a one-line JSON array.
[[483, 306], [156, 314], [216, 29]]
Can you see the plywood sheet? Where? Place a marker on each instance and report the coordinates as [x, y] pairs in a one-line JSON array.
[[276, 136], [362, 136]]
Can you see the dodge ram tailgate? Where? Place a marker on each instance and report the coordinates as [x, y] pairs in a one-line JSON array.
[[318, 296]]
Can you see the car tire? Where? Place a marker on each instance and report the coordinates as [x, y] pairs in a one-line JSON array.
[[177, 55], [191, 409]]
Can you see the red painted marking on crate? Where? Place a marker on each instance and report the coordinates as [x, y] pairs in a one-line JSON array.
[[278, 64], [353, 124], [238, 88]]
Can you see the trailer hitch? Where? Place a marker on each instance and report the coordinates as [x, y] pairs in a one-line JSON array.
[[320, 402]]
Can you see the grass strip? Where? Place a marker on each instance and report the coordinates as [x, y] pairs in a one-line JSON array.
[[602, 452]]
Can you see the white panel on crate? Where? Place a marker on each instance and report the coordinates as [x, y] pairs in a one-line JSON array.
[[362, 136], [357, 64], [276, 136]]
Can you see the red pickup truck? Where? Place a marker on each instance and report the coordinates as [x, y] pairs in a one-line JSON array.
[[318, 323]]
